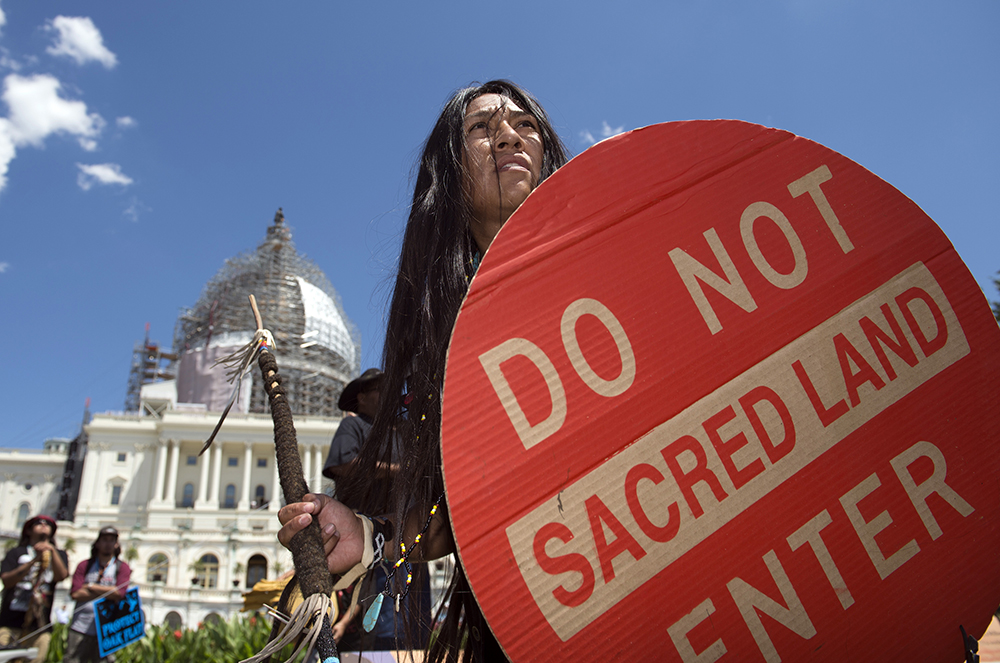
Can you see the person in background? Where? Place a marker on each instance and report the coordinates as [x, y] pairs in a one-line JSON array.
[[361, 397], [103, 575], [29, 573]]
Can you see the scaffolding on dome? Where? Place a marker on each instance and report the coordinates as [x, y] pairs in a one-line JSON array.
[[318, 347], [149, 364]]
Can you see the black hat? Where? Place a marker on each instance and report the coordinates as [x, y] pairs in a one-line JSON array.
[[349, 398], [108, 530]]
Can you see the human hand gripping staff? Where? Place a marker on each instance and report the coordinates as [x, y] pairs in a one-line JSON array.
[[367, 542], [312, 616]]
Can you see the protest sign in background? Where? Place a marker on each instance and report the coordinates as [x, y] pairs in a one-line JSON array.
[[119, 622], [717, 389]]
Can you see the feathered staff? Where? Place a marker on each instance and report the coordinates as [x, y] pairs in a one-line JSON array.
[[313, 580]]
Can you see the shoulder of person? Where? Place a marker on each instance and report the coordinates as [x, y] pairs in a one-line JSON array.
[[10, 559], [14, 552], [352, 424]]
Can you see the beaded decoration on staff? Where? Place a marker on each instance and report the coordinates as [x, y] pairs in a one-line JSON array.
[[310, 623]]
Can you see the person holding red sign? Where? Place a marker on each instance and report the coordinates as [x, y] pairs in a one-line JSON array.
[[491, 146]]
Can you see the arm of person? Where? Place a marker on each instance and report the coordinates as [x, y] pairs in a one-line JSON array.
[[340, 628], [11, 572], [60, 564], [343, 535], [78, 590], [92, 592], [437, 541], [82, 592]]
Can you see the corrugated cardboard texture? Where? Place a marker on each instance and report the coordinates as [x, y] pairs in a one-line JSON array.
[[718, 391]]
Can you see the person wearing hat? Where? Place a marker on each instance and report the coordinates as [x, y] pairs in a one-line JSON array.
[[360, 397], [103, 575], [29, 573]]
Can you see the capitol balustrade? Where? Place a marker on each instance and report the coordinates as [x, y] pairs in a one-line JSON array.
[[158, 591]]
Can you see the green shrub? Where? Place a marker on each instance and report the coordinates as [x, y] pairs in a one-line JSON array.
[[212, 642], [57, 645]]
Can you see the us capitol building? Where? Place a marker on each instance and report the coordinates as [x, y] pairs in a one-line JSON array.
[[198, 530]]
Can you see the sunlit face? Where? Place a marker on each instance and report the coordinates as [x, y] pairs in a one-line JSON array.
[[503, 160]]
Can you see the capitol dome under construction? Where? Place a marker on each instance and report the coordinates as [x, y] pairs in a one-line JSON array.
[[318, 348]]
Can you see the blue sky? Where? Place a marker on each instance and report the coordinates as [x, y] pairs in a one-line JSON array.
[[141, 144]]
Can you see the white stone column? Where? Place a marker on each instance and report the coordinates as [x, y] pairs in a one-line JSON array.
[[86, 481], [174, 454], [305, 453], [275, 496], [244, 504], [213, 492], [317, 484], [96, 456], [161, 473], [202, 501]]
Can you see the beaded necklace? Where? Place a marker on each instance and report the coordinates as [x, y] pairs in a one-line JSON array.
[[371, 616]]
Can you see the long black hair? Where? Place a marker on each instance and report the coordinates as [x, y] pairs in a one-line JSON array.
[[437, 260]]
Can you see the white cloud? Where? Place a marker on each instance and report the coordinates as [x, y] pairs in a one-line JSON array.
[[126, 122], [35, 112], [101, 173], [4, 266], [80, 39], [135, 208], [8, 62], [607, 131], [7, 150], [3, 22]]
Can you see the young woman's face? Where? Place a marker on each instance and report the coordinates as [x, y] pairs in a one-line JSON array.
[[503, 157]]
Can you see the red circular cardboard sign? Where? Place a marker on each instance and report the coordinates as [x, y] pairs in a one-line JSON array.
[[718, 391]]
